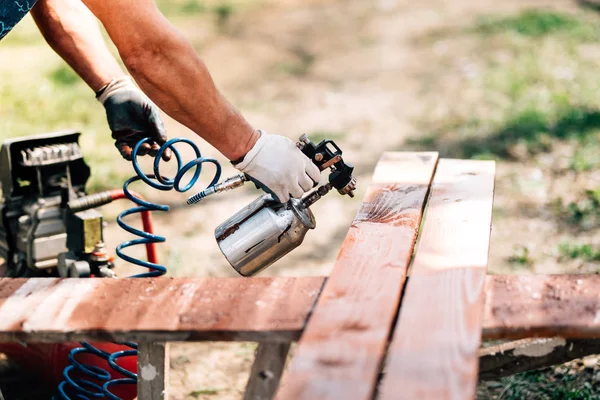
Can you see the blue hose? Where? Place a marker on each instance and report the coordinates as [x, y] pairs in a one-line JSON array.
[[81, 388]]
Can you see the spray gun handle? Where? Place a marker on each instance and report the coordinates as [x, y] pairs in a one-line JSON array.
[[228, 184], [234, 181]]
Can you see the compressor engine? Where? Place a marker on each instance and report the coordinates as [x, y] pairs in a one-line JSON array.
[[40, 235]]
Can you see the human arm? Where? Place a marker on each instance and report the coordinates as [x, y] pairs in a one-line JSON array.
[[73, 33], [170, 72]]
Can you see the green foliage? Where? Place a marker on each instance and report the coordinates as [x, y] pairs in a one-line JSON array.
[[586, 157], [300, 66], [521, 257], [538, 23], [192, 7], [585, 252], [543, 385], [64, 76], [204, 392], [536, 88], [586, 210], [318, 136], [223, 11], [535, 129]]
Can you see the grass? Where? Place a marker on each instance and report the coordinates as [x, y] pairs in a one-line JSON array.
[[538, 23], [300, 66], [584, 252], [521, 257], [544, 385], [586, 210], [204, 392], [318, 136], [63, 76], [535, 88]]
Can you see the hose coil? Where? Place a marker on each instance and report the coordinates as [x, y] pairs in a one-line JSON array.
[[81, 387]]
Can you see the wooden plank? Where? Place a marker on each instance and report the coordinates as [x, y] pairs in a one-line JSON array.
[[341, 350], [519, 306], [266, 371], [433, 354], [153, 370], [158, 309], [527, 354]]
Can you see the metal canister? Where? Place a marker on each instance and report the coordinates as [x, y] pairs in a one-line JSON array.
[[263, 232]]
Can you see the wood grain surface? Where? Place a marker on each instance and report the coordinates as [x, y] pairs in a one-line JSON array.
[[340, 353], [156, 309], [520, 306], [433, 354], [526, 354]]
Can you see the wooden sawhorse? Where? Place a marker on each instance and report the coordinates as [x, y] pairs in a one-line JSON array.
[[424, 332]]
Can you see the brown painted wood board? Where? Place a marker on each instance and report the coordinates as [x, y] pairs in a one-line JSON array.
[[161, 309], [341, 350], [520, 306], [433, 353]]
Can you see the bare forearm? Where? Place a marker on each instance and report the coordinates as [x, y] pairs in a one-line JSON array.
[[73, 32], [179, 82], [167, 68]]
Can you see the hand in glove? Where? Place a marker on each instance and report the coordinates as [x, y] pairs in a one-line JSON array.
[[132, 116], [277, 166]]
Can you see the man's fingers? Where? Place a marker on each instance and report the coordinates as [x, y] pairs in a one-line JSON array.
[[284, 198], [296, 191], [125, 150], [144, 149], [305, 182], [157, 127], [167, 155], [313, 172], [154, 149]]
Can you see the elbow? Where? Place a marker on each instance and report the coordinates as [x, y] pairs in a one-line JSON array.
[[140, 59]]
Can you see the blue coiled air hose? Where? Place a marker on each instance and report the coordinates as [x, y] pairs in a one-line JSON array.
[[81, 388]]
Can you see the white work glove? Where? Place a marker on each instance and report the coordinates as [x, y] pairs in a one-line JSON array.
[[278, 167]]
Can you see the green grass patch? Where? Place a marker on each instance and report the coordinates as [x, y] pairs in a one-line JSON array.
[[585, 252], [205, 392], [583, 213], [587, 156], [528, 89], [521, 257], [64, 76], [587, 209], [300, 66], [538, 23], [318, 136], [544, 385]]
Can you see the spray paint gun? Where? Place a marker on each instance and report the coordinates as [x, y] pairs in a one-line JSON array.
[[266, 230]]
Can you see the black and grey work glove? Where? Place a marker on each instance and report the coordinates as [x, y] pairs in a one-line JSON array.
[[131, 117]]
